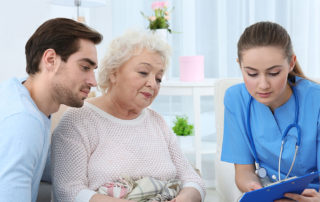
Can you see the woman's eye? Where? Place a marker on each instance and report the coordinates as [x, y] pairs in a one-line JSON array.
[[159, 80], [252, 74], [274, 73], [143, 73]]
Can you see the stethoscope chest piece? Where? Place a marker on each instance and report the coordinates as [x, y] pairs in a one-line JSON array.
[[261, 172]]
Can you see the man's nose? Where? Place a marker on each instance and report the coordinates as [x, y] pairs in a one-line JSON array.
[[92, 80]]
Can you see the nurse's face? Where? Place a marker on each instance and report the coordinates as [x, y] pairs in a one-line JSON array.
[[265, 71]]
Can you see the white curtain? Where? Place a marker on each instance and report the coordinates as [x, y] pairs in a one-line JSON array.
[[213, 27]]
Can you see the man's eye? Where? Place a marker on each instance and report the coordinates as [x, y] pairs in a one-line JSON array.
[[159, 80], [85, 68]]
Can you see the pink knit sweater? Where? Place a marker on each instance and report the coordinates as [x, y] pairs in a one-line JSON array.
[[91, 147]]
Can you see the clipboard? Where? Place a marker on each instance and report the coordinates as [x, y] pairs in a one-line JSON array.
[[276, 191]]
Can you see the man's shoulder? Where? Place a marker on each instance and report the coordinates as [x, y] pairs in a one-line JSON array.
[[16, 101]]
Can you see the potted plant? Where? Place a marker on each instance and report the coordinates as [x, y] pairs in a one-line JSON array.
[[184, 131], [160, 19], [182, 127]]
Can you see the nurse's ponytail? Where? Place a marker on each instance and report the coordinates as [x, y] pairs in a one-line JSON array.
[[269, 34]]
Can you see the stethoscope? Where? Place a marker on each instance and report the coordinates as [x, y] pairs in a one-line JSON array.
[[260, 171]]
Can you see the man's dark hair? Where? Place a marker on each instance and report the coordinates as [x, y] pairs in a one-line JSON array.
[[60, 34]]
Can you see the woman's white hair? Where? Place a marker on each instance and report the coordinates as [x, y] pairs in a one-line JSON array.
[[123, 48]]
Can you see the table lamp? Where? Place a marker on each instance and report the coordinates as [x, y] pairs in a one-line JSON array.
[[78, 4]]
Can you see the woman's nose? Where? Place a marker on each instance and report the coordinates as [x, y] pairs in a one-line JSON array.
[[152, 82], [264, 83]]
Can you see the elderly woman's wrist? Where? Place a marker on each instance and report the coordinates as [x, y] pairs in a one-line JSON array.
[[189, 194]]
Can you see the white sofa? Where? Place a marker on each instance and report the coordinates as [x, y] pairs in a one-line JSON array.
[[224, 172]]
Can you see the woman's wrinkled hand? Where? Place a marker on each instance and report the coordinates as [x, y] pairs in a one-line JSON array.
[[104, 198], [187, 194]]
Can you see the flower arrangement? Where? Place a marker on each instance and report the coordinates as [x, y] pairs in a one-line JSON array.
[[161, 16], [182, 127]]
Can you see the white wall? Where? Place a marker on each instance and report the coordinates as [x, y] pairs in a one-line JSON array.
[[19, 20]]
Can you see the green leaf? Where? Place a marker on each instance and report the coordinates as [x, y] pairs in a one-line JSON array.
[[182, 127]]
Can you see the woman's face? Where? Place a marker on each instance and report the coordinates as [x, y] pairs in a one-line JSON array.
[[137, 82], [265, 71]]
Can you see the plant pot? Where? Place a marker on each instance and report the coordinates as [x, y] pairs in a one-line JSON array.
[[162, 33], [191, 68], [186, 142]]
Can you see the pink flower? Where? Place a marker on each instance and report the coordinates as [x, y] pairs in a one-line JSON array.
[[156, 5], [165, 4], [152, 18], [159, 5], [167, 17]]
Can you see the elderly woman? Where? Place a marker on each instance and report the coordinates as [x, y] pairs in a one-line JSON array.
[[115, 136]]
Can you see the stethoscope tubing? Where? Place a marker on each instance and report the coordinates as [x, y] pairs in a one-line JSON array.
[[293, 125]]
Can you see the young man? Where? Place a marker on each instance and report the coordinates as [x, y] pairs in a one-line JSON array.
[[61, 58]]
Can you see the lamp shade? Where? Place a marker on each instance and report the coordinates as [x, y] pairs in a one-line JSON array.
[[83, 3]]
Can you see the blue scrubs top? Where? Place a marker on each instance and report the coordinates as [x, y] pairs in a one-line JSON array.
[[267, 129]]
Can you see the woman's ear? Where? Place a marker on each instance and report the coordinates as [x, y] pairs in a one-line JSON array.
[[293, 62], [113, 76], [238, 61]]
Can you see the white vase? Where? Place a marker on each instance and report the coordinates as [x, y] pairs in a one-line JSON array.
[[186, 142], [162, 33]]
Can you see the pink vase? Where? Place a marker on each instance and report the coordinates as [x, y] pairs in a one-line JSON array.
[[191, 68]]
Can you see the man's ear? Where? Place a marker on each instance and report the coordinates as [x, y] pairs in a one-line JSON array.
[[50, 59]]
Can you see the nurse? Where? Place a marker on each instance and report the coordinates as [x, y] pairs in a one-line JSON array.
[[276, 103]]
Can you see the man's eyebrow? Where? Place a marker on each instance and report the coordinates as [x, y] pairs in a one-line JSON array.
[[88, 61]]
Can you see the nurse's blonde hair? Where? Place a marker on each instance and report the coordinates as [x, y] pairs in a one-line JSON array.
[[121, 49], [269, 34]]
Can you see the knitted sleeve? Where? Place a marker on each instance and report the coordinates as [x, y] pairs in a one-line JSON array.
[[71, 149], [185, 172]]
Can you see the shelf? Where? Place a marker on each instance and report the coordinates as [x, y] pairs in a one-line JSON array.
[[196, 90], [207, 148]]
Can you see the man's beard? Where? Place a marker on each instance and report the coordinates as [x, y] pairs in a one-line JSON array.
[[67, 97]]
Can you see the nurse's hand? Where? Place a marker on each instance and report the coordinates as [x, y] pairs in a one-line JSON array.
[[308, 195], [246, 179], [253, 185]]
